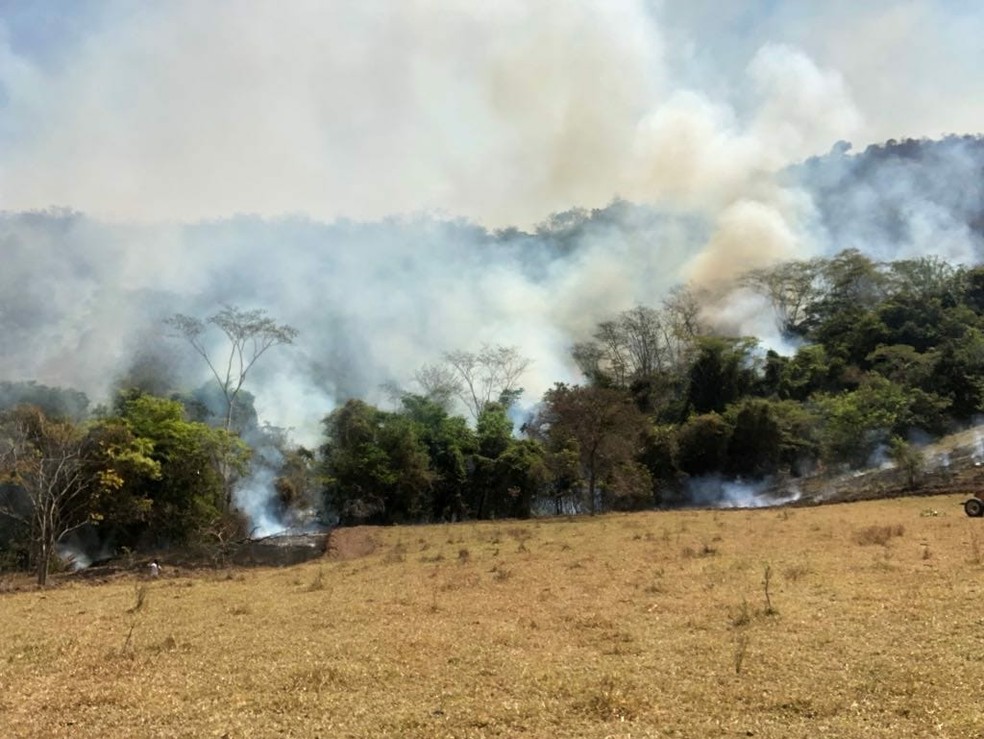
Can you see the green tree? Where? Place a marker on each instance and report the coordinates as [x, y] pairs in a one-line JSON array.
[[188, 498], [755, 446], [723, 370], [856, 423], [450, 444], [606, 429], [60, 470], [702, 444], [249, 335], [376, 466]]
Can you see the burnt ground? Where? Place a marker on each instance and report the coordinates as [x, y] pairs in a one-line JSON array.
[[954, 464]]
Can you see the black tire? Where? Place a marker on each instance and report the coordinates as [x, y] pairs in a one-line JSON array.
[[974, 508]]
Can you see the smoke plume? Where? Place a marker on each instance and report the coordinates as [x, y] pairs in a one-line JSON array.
[[398, 180]]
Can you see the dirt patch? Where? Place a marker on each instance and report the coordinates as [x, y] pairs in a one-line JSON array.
[[351, 543]]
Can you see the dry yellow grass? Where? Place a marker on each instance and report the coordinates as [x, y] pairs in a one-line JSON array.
[[642, 625]]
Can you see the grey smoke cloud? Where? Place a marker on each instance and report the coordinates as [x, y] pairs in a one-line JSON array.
[[417, 121]]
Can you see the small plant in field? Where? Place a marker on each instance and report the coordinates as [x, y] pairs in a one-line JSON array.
[[463, 555], [139, 599], [611, 700], [500, 573], [796, 572], [879, 535], [242, 609], [138, 607], [741, 649], [318, 583], [766, 581], [705, 550], [975, 549], [397, 554], [743, 616]]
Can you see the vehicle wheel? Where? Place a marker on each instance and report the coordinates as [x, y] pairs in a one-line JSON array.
[[974, 508]]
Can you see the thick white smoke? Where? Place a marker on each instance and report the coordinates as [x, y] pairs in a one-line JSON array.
[[364, 140]]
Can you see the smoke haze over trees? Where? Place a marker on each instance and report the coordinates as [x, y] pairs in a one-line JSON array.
[[617, 177]]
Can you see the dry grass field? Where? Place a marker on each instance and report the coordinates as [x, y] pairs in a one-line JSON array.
[[853, 620]]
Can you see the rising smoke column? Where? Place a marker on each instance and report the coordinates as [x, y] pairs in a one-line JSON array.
[[399, 167]]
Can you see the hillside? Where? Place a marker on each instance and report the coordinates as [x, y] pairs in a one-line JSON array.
[[952, 464]]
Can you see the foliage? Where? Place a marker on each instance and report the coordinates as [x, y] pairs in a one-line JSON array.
[[187, 499], [606, 430], [58, 476], [376, 466]]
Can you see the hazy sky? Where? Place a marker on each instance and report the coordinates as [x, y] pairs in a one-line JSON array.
[[501, 112], [159, 119]]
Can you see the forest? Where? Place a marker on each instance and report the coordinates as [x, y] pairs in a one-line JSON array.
[[880, 358]]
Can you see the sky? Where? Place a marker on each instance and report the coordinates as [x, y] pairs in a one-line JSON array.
[[499, 112], [345, 165]]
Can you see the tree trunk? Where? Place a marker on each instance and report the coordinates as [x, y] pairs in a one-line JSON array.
[[592, 481], [44, 560]]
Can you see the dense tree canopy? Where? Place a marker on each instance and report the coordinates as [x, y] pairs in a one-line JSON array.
[[884, 353]]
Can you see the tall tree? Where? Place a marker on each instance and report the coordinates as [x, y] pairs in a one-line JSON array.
[[249, 334], [490, 375], [790, 287], [189, 498], [376, 466], [605, 428], [50, 463]]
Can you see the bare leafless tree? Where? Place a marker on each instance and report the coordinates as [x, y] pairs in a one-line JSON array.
[[642, 342], [491, 374], [250, 334], [790, 287], [439, 383]]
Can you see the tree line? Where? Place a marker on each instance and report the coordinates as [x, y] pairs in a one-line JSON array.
[[879, 353]]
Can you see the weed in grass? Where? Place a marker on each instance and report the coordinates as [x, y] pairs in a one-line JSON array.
[[397, 554], [879, 535], [705, 550], [612, 700], [743, 616], [138, 607], [741, 649], [500, 573], [796, 572], [975, 548], [318, 583], [766, 581], [139, 599], [463, 555], [242, 609]]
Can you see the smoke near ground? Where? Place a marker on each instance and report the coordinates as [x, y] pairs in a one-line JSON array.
[[383, 176]]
